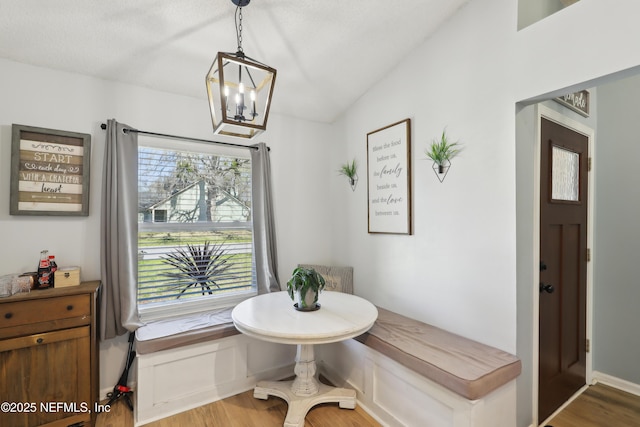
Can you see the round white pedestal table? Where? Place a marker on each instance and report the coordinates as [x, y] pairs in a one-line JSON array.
[[272, 317]]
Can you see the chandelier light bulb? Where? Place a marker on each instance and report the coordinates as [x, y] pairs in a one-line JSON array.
[[226, 98], [253, 104]]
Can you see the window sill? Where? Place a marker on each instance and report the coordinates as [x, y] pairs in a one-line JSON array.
[[195, 328], [191, 309]]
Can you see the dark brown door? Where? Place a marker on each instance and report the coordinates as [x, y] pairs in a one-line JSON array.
[[563, 265]]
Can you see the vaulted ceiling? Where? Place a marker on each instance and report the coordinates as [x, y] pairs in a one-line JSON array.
[[327, 53]]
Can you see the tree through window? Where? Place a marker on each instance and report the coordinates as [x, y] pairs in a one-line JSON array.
[[194, 225]]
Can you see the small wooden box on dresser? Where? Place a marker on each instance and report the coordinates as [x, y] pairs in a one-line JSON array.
[[49, 357]]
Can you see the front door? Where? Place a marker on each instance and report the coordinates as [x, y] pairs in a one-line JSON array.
[[564, 165]]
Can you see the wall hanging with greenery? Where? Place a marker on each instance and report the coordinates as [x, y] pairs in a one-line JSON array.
[[441, 151], [349, 170]]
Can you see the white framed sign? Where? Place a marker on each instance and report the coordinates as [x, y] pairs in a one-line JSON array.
[[389, 178]]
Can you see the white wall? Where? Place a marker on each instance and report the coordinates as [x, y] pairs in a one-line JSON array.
[[40, 97], [616, 336], [458, 270], [530, 11]]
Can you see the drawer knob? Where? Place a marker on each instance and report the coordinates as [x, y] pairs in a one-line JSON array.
[[69, 307], [8, 315], [40, 340]]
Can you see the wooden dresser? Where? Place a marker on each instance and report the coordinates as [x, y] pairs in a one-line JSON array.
[[49, 357]]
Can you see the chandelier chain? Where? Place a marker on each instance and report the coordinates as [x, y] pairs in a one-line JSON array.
[[239, 28]]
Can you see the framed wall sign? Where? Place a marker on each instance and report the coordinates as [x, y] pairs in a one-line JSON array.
[[389, 178], [577, 101], [49, 171]]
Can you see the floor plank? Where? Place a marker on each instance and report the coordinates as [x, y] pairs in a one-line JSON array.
[[243, 410], [600, 406]]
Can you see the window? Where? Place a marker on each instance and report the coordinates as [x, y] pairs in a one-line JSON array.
[[195, 245], [565, 174]]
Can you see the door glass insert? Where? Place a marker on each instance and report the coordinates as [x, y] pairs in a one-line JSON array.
[[565, 178]]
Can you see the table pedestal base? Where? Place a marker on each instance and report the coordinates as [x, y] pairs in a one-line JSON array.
[[300, 405], [305, 391]]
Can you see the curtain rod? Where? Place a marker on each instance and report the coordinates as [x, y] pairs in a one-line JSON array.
[[103, 126]]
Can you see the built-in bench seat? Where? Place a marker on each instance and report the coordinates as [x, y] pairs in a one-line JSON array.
[[469, 369]]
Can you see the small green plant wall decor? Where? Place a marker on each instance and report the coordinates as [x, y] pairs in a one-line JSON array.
[[349, 170], [441, 151]]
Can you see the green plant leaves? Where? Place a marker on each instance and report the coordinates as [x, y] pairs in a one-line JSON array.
[[302, 280], [442, 150], [198, 266], [349, 169]]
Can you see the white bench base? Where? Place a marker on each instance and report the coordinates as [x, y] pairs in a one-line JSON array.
[[176, 380], [397, 396]]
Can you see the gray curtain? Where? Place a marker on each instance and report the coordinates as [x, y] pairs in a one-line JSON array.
[[118, 233], [264, 233]]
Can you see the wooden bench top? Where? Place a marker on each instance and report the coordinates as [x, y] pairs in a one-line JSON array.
[[469, 368]]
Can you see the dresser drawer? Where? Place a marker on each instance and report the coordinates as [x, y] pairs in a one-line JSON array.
[[44, 310]]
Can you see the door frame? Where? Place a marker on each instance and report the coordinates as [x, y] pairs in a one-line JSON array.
[[542, 111]]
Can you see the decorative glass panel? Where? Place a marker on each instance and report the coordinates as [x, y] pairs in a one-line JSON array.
[[565, 175]]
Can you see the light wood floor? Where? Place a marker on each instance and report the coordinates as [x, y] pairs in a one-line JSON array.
[[600, 406], [243, 410]]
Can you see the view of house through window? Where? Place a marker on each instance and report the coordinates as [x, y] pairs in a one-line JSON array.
[[194, 227]]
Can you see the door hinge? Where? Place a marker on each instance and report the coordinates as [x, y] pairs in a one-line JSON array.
[[587, 346], [589, 164], [588, 255]]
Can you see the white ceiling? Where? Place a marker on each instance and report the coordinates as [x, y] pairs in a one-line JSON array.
[[327, 53]]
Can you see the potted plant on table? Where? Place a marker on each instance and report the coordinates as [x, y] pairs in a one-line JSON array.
[[304, 287], [441, 151]]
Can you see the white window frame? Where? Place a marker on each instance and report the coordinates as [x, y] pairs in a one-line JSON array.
[[173, 309]]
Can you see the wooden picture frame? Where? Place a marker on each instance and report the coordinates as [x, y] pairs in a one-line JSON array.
[[49, 172], [389, 179]]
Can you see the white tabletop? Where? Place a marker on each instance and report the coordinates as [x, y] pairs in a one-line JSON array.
[[272, 317]]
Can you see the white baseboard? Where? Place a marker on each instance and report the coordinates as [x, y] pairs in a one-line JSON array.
[[618, 383]]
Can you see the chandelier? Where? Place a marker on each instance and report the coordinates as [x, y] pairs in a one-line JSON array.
[[239, 89]]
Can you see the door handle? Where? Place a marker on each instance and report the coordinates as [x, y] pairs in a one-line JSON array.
[[546, 288]]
